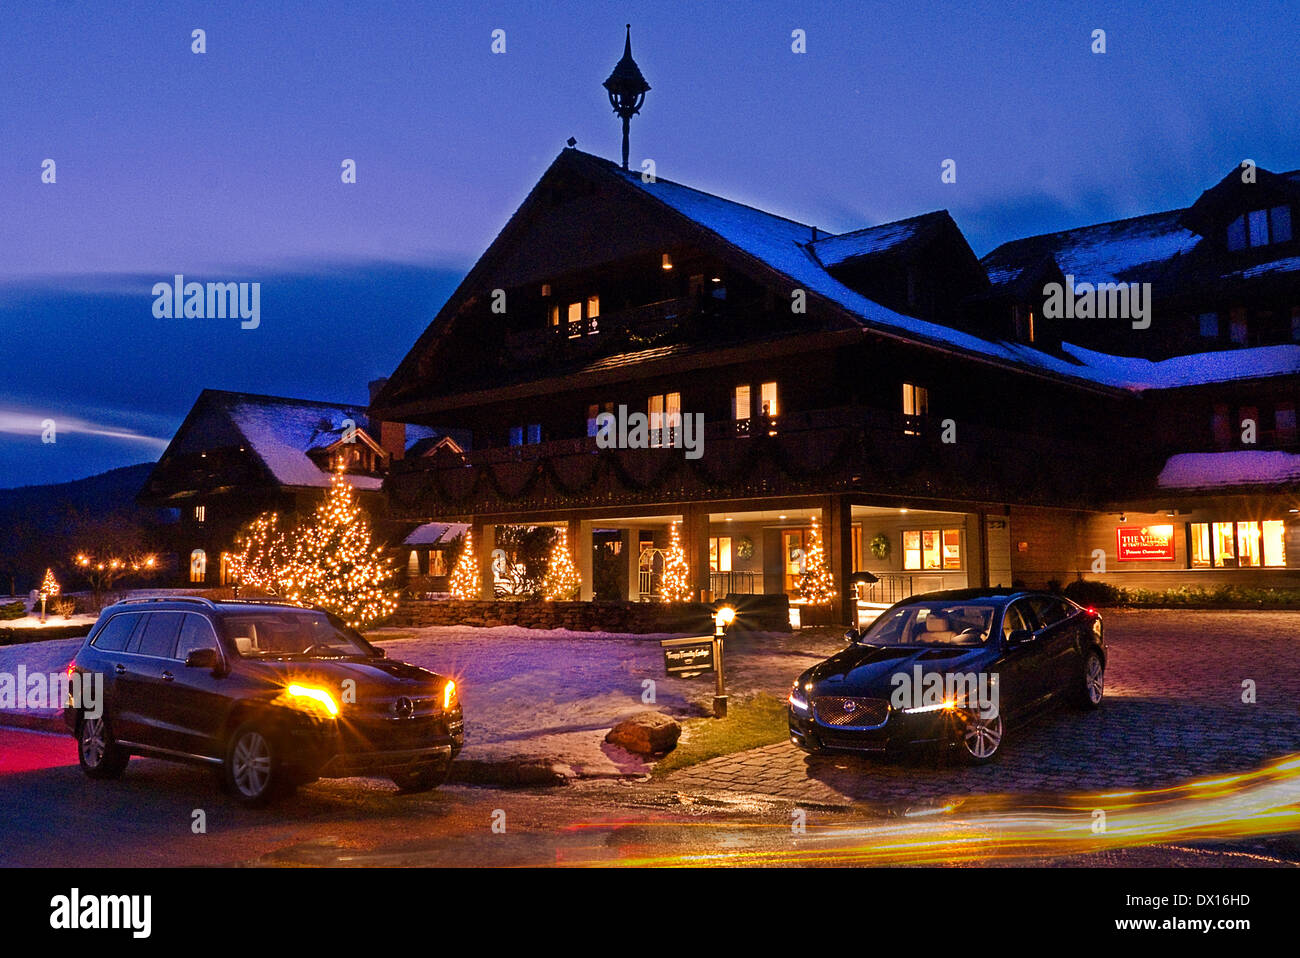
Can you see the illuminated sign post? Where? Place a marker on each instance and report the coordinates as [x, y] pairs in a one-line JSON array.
[[1144, 543]]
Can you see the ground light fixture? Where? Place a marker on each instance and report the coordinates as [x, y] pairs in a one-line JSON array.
[[722, 620]]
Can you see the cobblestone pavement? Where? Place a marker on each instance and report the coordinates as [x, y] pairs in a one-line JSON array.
[[1173, 711]]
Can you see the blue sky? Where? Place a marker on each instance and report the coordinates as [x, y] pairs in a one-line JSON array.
[[225, 165]]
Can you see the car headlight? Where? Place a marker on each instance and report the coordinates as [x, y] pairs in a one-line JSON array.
[[308, 697], [798, 701], [945, 706], [449, 696]]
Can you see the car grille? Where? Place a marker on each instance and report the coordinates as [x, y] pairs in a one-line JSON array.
[[848, 712]]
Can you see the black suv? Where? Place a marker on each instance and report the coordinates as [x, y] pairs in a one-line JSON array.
[[273, 695]]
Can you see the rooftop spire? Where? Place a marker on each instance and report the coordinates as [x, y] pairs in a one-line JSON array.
[[627, 89]]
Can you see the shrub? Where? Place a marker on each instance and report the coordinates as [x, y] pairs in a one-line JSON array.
[[1092, 592], [13, 610]]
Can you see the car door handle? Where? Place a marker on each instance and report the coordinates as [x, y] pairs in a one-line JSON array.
[[119, 669], [167, 676]]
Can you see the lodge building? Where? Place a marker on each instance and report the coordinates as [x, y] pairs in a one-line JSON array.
[[916, 402]]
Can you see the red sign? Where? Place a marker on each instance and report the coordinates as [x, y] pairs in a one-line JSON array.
[[1145, 543]]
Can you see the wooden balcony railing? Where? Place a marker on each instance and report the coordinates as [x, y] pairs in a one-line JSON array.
[[811, 452]]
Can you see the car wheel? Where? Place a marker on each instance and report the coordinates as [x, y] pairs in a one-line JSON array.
[[979, 738], [1092, 685], [97, 751], [421, 779], [254, 771]]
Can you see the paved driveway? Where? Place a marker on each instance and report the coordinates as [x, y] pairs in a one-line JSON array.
[[1173, 712]]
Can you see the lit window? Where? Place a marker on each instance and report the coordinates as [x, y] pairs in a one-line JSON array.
[[767, 395], [740, 402], [1209, 325], [575, 320], [516, 435], [593, 414], [437, 562], [198, 565], [1200, 535], [665, 412], [555, 314], [200, 513], [535, 433], [1248, 544], [1273, 540], [931, 549], [593, 314], [720, 554], [227, 568], [916, 405], [413, 563], [911, 550], [1225, 549]]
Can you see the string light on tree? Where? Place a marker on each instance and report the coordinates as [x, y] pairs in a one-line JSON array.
[[562, 580], [816, 584], [464, 577], [675, 585], [262, 555], [49, 589], [335, 566]]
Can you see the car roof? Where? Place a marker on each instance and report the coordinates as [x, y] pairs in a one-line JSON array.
[[195, 603], [966, 595]]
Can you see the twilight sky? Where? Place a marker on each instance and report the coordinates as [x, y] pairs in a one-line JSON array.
[[225, 165]]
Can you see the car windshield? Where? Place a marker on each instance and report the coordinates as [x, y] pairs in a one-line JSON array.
[[926, 623], [292, 632]]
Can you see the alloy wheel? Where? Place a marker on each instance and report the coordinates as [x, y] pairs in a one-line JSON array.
[[981, 736], [93, 745], [1095, 680], [251, 764]]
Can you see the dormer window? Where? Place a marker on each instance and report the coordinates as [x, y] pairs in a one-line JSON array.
[[575, 320], [1260, 228]]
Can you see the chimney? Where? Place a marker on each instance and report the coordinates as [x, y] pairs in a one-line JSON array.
[[390, 435]]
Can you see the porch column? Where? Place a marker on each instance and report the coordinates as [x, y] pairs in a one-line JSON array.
[[485, 541], [632, 556], [581, 548], [977, 550], [837, 536], [695, 542]]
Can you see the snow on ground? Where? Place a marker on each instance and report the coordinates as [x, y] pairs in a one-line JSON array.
[[552, 694], [34, 621]]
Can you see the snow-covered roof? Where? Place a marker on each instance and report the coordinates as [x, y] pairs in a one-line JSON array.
[[282, 431], [873, 240], [434, 533], [1109, 250], [1213, 470]]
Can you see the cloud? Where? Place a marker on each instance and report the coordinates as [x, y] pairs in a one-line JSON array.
[[28, 423]]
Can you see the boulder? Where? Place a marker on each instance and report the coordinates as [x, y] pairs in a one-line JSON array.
[[646, 733]]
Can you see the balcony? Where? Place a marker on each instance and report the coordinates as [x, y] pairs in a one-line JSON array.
[[644, 321], [845, 449]]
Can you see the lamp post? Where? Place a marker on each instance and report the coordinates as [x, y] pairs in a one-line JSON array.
[[722, 619], [627, 89]]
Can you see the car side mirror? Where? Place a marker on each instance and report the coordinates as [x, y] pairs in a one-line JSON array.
[[202, 659], [1019, 637], [852, 636]]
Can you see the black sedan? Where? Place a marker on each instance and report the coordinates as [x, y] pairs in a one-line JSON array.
[[954, 669]]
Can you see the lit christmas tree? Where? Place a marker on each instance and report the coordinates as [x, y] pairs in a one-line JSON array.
[[262, 555], [562, 580], [675, 585], [49, 589], [816, 583], [334, 564], [464, 578]]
